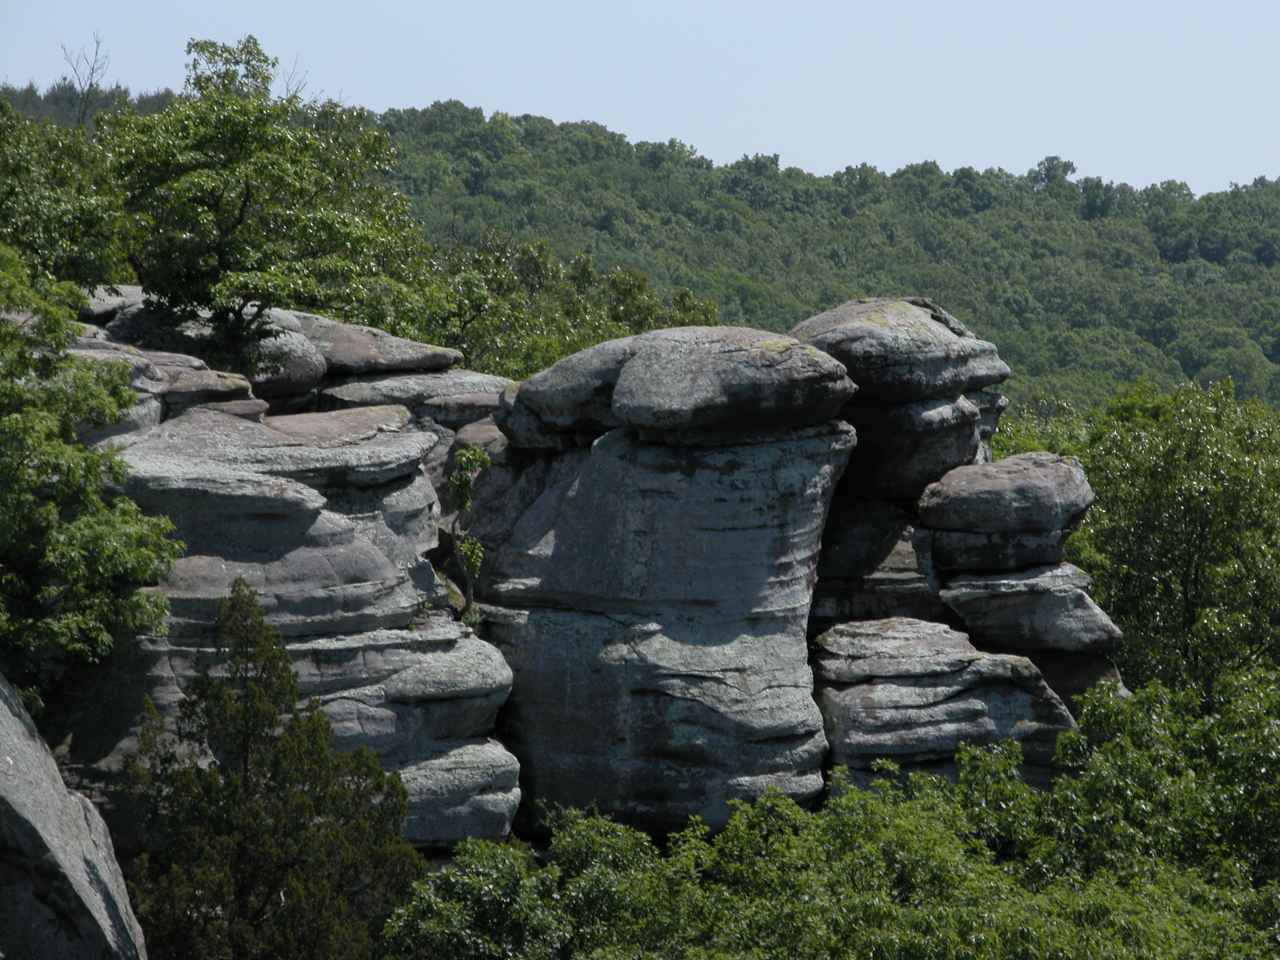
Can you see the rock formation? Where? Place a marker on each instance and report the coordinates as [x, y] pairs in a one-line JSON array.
[[652, 533], [62, 895], [328, 516], [913, 692], [717, 560]]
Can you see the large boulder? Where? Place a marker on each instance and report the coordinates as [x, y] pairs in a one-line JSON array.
[[62, 894], [1030, 492], [1043, 609], [903, 351], [680, 381], [349, 349], [913, 692]]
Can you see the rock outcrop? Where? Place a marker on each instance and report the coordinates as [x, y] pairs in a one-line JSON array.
[[991, 536], [700, 548], [62, 895], [913, 691], [652, 534], [329, 516]]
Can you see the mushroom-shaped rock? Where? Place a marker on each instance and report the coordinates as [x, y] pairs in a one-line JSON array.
[[914, 691], [349, 348], [686, 380], [901, 351], [1044, 608]]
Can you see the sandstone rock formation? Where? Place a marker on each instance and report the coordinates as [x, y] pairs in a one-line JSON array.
[[680, 528], [991, 536], [913, 692], [62, 895], [329, 516], [652, 534]]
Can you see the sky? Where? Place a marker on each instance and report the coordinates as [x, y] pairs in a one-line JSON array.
[[1129, 90]]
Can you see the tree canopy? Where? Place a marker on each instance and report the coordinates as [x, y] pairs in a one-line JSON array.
[[73, 557]]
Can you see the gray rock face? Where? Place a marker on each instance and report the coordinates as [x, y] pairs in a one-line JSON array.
[[914, 691], [351, 349], [1028, 493], [327, 516], [415, 390], [902, 351], [689, 379], [62, 895], [655, 605], [1041, 609], [902, 449], [654, 721]]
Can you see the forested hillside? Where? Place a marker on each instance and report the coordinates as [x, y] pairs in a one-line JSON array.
[[1083, 284]]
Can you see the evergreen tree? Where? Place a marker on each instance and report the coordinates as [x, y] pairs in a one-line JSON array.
[[264, 842]]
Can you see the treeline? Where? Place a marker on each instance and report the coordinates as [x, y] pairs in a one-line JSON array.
[[1085, 285]]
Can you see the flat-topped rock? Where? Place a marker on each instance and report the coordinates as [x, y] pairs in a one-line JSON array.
[[914, 691], [349, 348], [411, 390], [366, 446], [1041, 609], [687, 379], [901, 351], [1030, 492]]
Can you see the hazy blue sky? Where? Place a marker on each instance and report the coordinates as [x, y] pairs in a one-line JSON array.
[[1132, 91]]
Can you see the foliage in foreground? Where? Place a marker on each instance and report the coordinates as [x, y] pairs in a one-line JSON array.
[[1160, 843], [1182, 539], [237, 200], [73, 558], [264, 841]]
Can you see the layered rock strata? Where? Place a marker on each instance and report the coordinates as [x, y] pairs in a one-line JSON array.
[[328, 516], [913, 691], [920, 410], [992, 536], [652, 533]]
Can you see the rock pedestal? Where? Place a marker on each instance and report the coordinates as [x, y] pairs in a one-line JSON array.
[[651, 589]]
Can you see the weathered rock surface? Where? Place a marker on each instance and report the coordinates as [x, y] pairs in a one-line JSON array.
[[688, 379], [655, 602], [902, 449], [416, 390], [914, 691], [1041, 609], [903, 351], [654, 720], [1027, 493], [352, 349], [62, 895]]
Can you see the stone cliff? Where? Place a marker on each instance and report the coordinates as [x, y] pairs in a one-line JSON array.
[[718, 561]]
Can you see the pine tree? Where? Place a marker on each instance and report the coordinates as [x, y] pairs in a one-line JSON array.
[[264, 842]]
